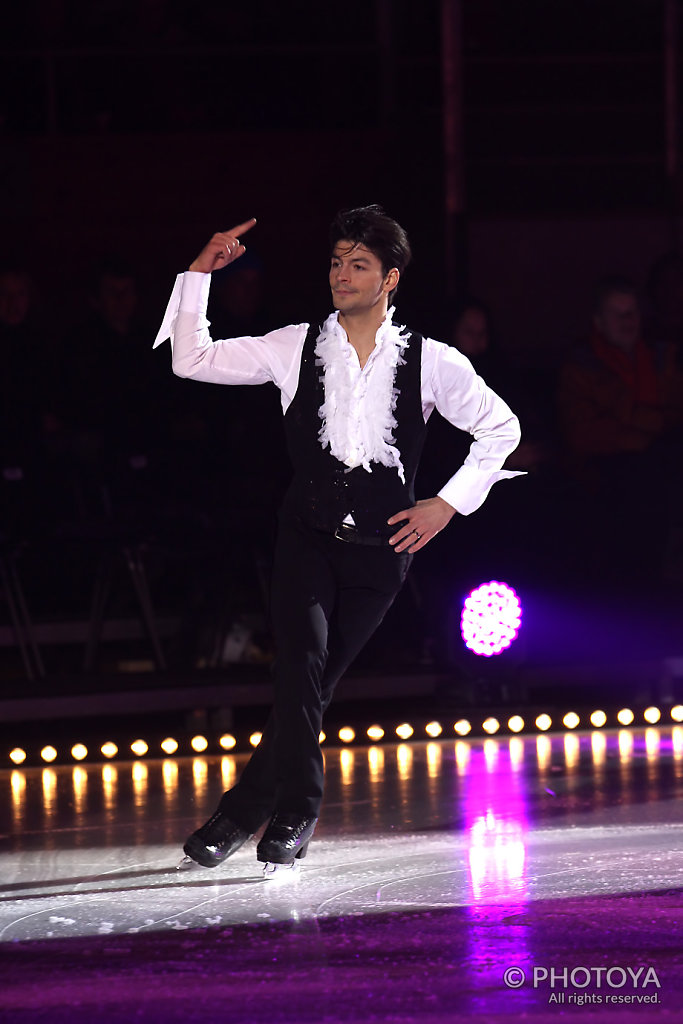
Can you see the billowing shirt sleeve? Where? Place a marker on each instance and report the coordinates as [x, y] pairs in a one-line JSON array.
[[248, 360], [451, 385]]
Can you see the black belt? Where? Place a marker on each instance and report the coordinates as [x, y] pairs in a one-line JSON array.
[[350, 534]]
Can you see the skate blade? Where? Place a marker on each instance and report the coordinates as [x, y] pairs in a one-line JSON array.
[[281, 872], [184, 864]]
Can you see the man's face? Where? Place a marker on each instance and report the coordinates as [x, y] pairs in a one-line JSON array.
[[357, 279], [619, 320]]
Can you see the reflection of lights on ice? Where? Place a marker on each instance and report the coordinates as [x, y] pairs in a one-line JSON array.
[[491, 617], [496, 855]]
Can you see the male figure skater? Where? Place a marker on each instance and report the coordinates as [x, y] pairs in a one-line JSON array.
[[356, 395]]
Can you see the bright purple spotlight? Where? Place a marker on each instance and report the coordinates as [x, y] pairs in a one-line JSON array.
[[491, 617]]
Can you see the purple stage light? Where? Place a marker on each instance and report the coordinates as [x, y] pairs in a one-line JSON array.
[[491, 617]]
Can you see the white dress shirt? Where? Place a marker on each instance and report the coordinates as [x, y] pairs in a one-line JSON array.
[[449, 382]]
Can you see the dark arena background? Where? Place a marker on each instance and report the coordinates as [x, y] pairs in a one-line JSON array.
[[502, 833]]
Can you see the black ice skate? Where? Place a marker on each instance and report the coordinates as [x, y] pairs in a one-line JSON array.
[[215, 841], [284, 843]]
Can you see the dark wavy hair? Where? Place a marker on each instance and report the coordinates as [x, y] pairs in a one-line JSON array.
[[370, 226], [611, 284]]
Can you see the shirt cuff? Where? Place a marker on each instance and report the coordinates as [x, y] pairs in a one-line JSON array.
[[191, 294], [467, 490], [194, 297]]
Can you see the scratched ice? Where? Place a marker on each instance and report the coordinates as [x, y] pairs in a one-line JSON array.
[[435, 867]]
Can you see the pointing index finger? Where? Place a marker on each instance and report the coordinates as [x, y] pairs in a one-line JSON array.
[[240, 229]]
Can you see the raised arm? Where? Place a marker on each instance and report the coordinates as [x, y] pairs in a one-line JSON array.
[[244, 360]]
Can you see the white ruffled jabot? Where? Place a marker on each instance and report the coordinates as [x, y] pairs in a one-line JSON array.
[[358, 412]]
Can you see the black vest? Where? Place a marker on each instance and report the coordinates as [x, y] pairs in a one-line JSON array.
[[324, 490]]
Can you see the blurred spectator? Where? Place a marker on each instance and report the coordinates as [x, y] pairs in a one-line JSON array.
[[110, 405], [471, 331], [617, 395], [525, 390], [249, 419], [106, 394], [620, 407], [15, 297], [239, 304], [30, 431], [27, 400]]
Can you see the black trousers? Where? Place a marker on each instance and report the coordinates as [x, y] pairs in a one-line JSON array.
[[328, 598]]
